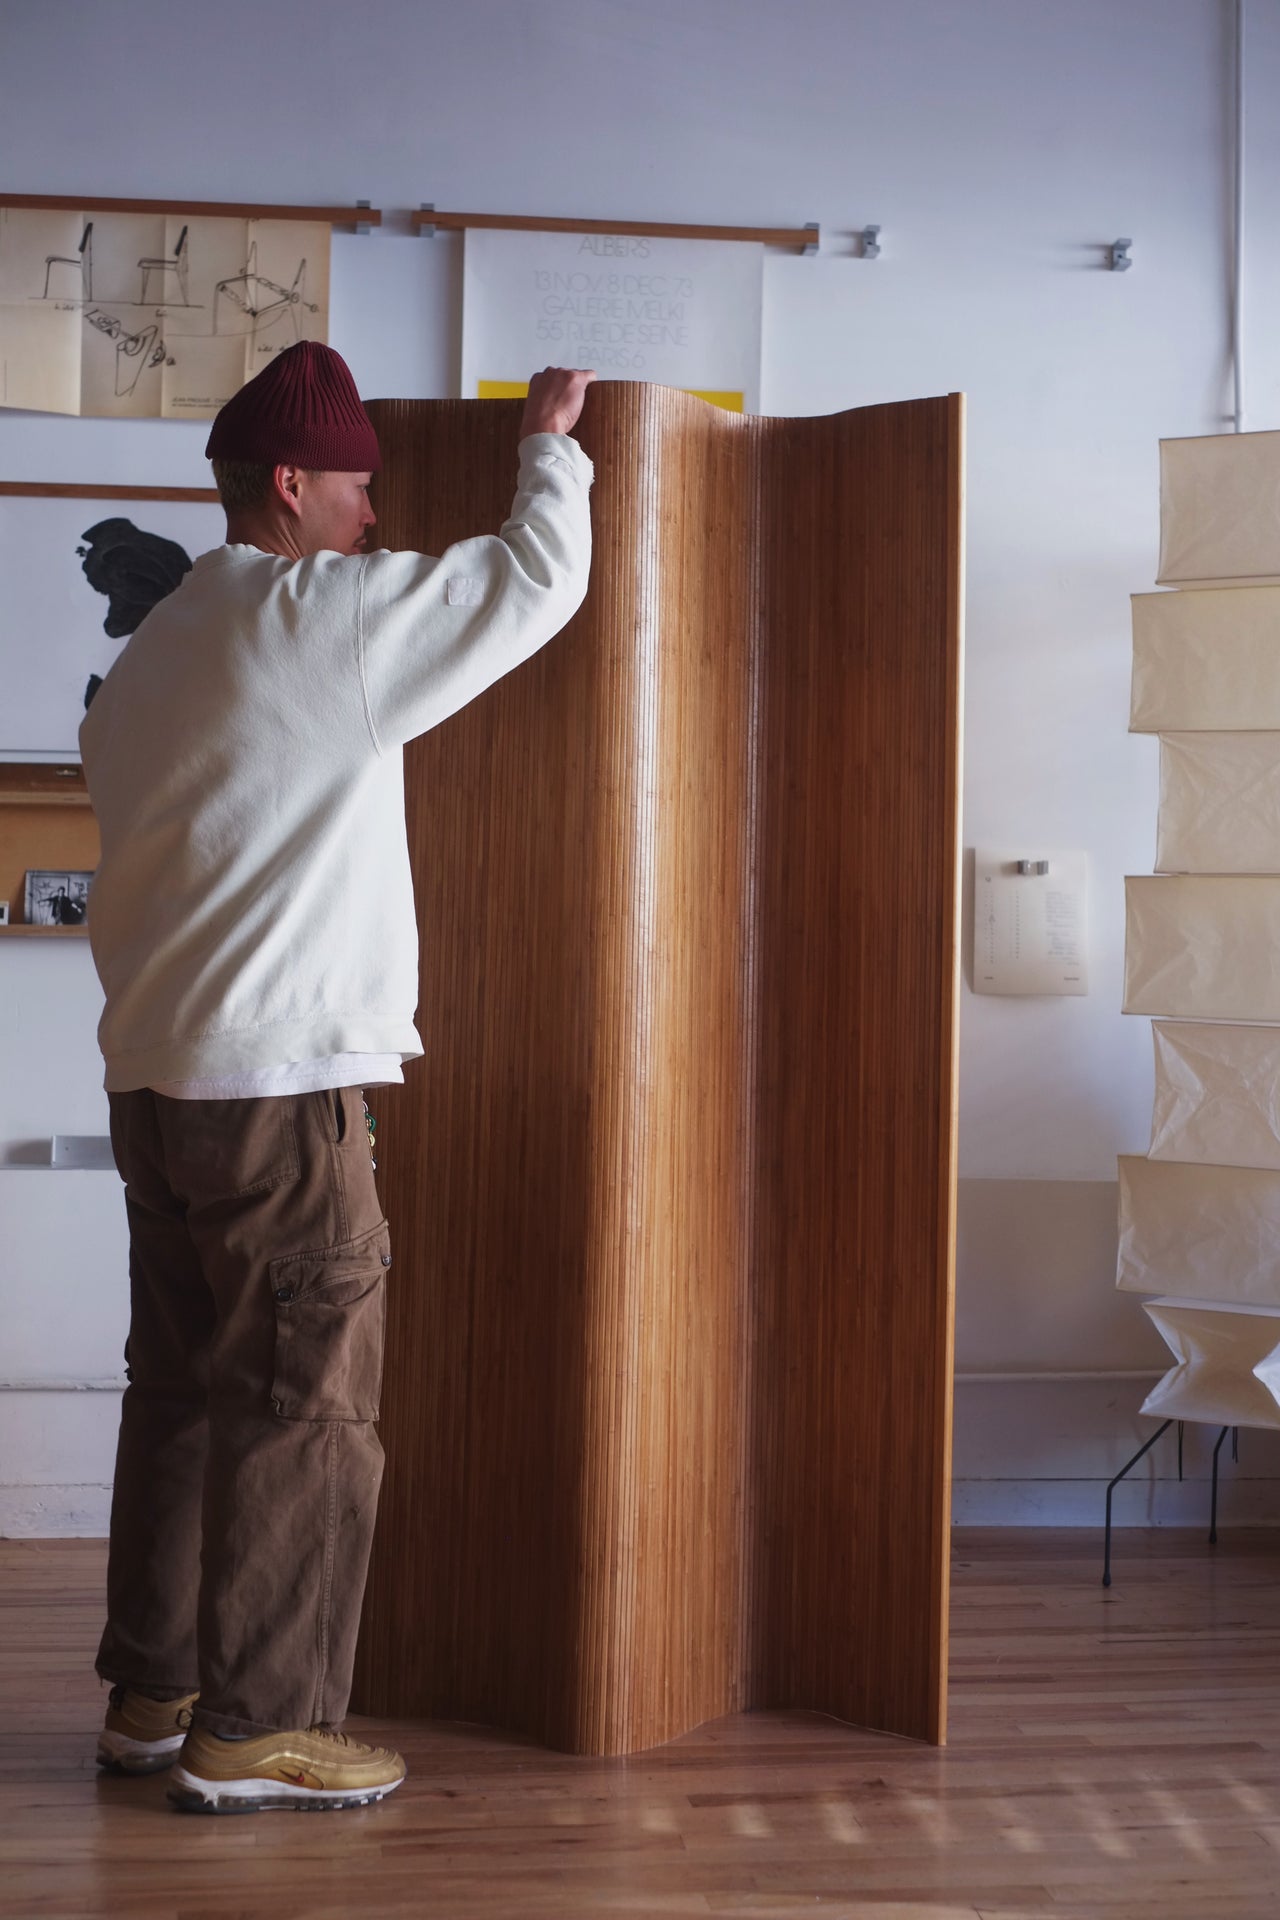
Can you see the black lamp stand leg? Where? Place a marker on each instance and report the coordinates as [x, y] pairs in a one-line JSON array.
[[1128, 1468], [1213, 1497]]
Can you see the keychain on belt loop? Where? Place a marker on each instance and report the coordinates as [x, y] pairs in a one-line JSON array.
[[371, 1128]]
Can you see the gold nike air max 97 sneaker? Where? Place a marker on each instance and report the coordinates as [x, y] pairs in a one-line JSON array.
[[313, 1769], [142, 1735]]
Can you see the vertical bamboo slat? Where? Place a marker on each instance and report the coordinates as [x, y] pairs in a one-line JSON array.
[[666, 1409]]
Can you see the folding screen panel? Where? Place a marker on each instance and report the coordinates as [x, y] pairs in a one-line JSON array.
[[667, 1398]]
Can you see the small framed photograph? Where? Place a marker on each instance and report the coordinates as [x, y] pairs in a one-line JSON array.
[[4, 913], [55, 898]]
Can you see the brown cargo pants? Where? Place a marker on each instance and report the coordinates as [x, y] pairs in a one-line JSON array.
[[248, 1465]]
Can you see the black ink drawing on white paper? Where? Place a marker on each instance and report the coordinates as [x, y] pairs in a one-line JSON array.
[[248, 302], [81, 573], [134, 569], [163, 265], [82, 262], [142, 351], [173, 313]]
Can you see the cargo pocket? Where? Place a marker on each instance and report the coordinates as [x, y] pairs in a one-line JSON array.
[[330, 1310]]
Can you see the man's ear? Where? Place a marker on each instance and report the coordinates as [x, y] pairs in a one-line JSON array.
[[286, 488]]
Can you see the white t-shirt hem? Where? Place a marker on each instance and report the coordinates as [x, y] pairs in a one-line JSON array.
[[296, 1076]]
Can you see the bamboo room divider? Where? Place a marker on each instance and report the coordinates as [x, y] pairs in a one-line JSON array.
[[667, 1408]]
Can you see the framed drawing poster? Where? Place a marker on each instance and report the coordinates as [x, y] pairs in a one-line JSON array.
[[81, 566], [151, 315]]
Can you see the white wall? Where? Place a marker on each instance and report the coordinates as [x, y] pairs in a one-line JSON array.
[[1000, 146]]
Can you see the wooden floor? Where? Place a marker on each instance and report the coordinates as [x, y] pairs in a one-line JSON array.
[[1111, 1753]]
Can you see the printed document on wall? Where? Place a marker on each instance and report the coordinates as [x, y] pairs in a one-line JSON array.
[[1031, 930], [682, 313], [151, 315]]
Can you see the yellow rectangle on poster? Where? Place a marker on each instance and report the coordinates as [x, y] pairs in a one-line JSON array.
[[517, 389], [731, 402]]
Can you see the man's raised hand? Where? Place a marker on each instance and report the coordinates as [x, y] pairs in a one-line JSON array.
[[555, 400]]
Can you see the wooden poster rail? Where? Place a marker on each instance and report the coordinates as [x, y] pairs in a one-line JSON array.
[[806, 239], [360, 217], [75, 490]]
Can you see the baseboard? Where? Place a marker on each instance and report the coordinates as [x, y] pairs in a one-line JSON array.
[[54, 1513], [1028, 1453], [1040, 1453], [1140, 1503], [42, 1513]]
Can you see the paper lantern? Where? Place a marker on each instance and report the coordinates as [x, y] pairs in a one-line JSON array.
[[1200, 1215]]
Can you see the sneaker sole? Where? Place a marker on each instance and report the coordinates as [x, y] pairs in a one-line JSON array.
[[190, 1794], [120, 1753]]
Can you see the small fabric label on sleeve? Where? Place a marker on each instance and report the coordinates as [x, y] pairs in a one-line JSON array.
[[464, 591]]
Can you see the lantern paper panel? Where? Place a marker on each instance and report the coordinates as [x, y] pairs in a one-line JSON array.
[[1203, 946], [1206, 661], [1217, 1098], [1219, 803], [1227, 1368], [1220, 509], [1198, 1232]]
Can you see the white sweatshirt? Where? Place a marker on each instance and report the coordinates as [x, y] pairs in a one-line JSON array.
[[253, 905]]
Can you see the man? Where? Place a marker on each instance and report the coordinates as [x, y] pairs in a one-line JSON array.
[[252, 922]]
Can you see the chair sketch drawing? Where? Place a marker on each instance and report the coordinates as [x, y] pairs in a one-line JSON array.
[[81, 260], [135, 352], [248, 295], [141, 348], [175, 263]]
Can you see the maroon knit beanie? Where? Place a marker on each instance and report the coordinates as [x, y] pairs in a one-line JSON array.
[[302, 410]]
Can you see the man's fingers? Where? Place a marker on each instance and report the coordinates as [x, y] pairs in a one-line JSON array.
[[555, 399]]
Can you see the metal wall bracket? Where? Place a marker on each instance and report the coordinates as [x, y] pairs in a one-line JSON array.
[[811, 246], [869, 243], [427, 226], [1120, 261], [363, 226]]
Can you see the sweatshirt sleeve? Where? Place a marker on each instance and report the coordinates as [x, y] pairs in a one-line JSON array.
[[432, 634]]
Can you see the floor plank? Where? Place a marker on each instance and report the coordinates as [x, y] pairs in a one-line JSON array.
[[1112, 1753]]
